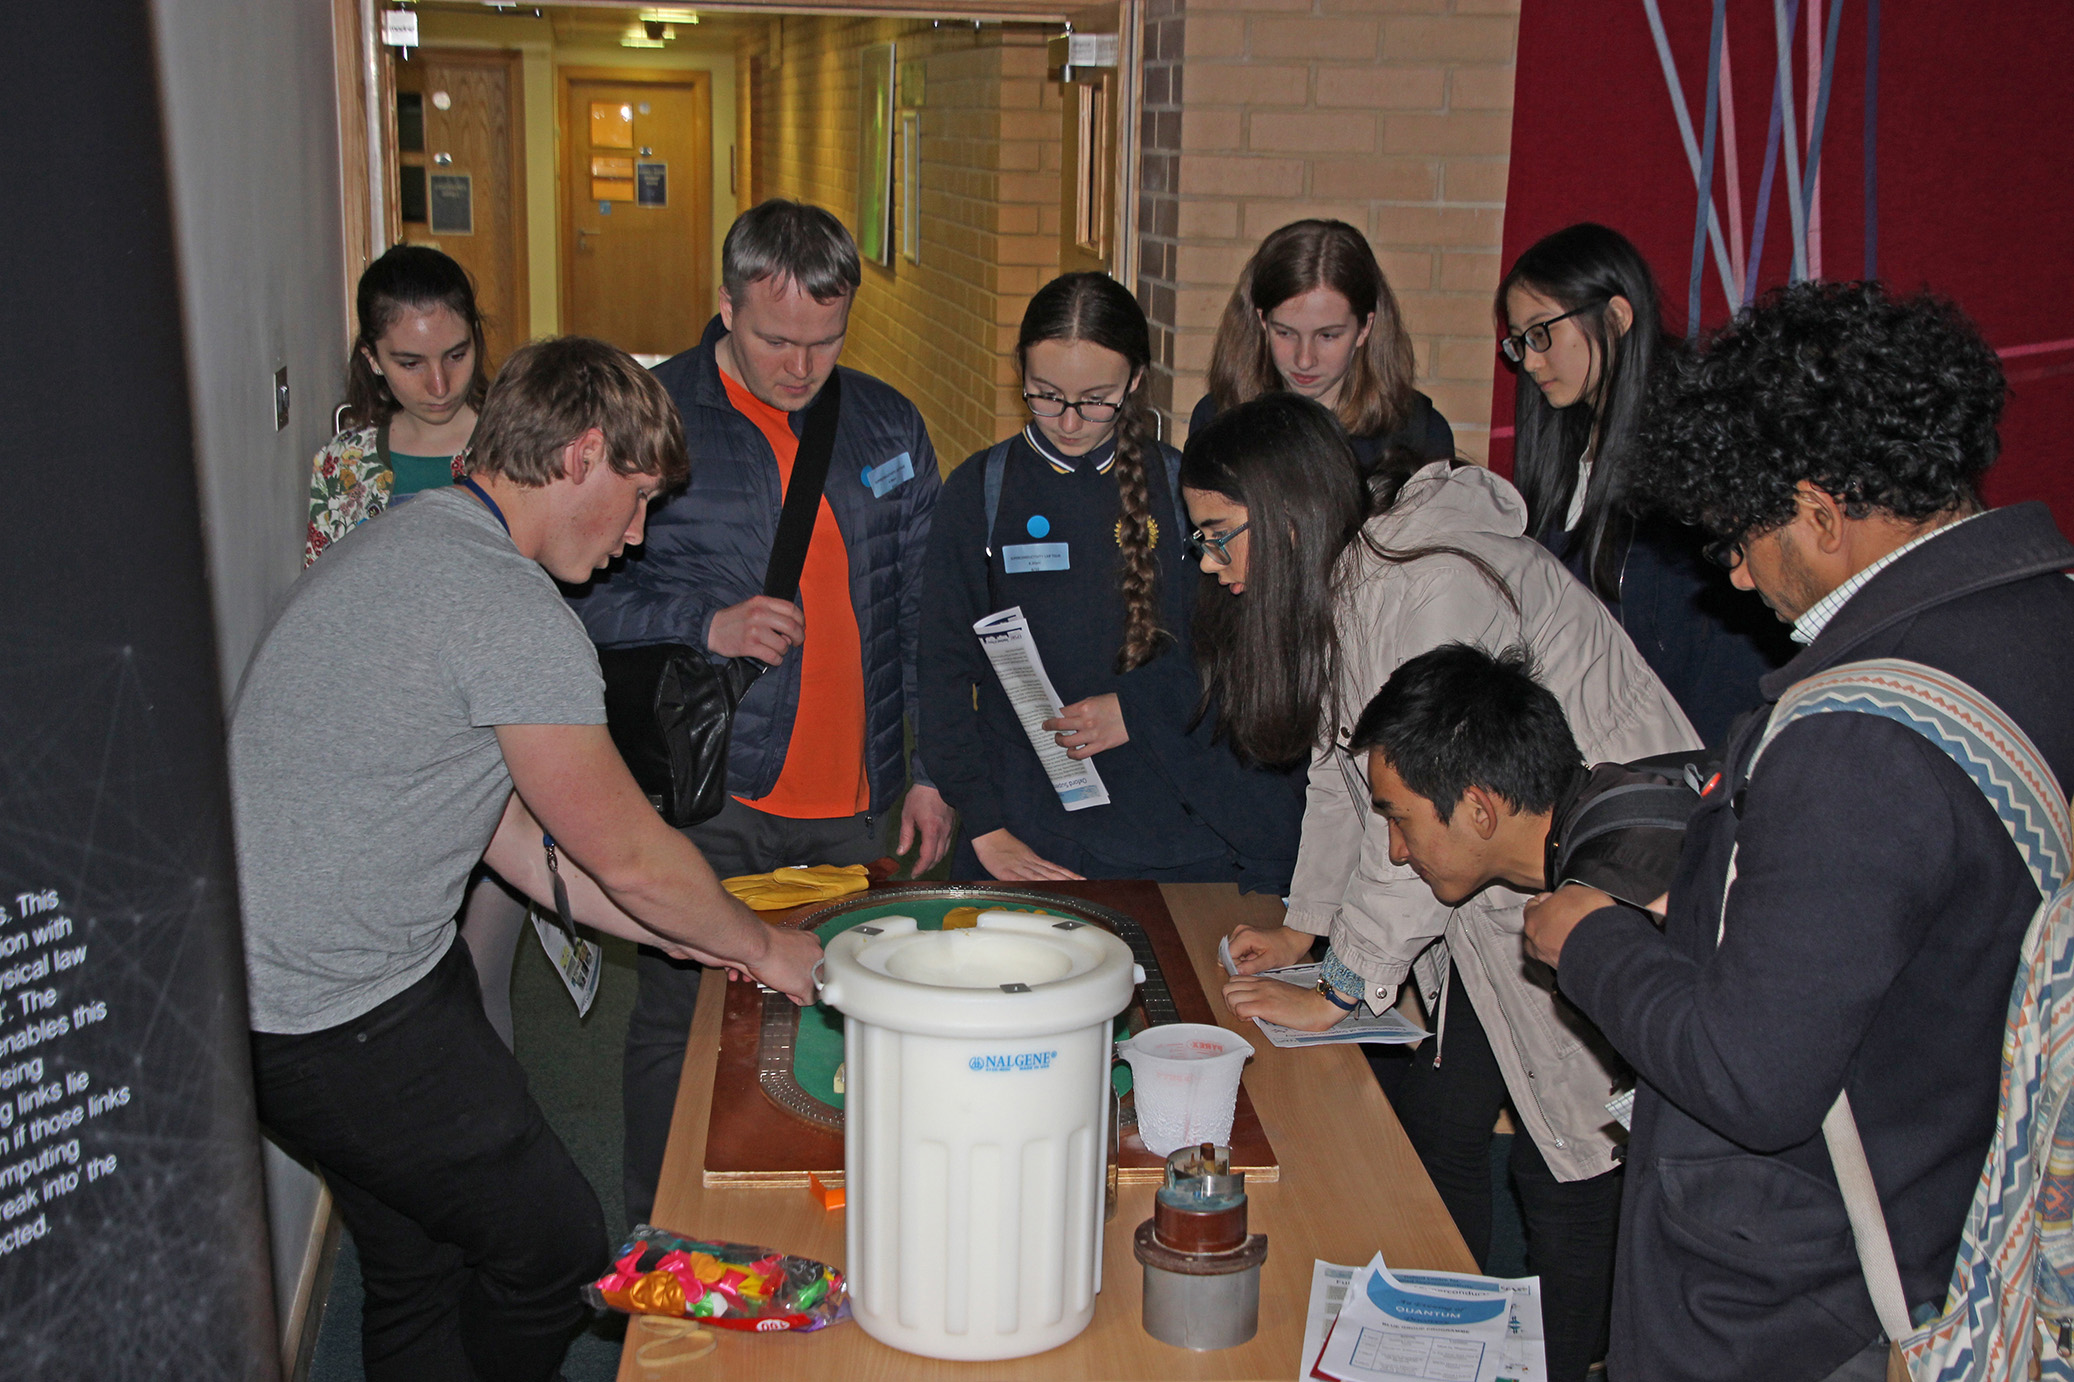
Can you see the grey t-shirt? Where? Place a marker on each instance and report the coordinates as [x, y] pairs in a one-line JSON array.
[[365, 771]]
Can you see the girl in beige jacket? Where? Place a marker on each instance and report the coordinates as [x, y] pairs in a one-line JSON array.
[[1305, 630]]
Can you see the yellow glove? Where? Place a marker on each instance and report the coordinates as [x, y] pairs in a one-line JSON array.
[[782, 888]]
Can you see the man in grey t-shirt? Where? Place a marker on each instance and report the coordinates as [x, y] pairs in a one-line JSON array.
[[425, 702]]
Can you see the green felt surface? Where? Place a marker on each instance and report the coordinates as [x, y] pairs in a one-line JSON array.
[[819, 1048]]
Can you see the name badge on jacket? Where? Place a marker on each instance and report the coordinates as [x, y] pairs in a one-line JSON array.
[[1036, 556], [885, 477]]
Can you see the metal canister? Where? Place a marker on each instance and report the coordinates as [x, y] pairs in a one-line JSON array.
[[1202, 1269]]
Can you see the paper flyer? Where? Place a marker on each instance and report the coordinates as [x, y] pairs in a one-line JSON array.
[[1006, 638], [1426, 1326], [578, 961]]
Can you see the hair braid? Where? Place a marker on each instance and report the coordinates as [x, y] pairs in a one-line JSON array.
[[1142, 634]]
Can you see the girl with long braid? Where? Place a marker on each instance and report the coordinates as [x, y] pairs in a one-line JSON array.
[[1086, 538]]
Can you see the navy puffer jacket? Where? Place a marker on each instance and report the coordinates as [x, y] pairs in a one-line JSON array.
[[708, 545]]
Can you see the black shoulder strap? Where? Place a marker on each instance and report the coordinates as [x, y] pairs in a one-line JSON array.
[[803, 491], [997, 465]]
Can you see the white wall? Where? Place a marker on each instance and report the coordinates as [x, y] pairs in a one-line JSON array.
[[252, 129]]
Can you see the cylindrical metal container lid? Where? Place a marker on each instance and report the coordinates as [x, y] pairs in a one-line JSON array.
[[1014, 974]]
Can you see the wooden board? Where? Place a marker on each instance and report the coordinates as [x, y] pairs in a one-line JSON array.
[[1351, 1187], [751, 1141]]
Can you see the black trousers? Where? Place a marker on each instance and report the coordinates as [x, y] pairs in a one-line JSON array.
[[476, 1231], [739, 840], [1447, 1111]]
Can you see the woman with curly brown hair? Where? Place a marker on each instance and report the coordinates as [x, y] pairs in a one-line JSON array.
[[1313, 315], [1076, 522]]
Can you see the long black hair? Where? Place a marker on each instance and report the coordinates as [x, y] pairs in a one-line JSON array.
[[407, 277], [1582, 268], [1269, 659], [1095, 308]]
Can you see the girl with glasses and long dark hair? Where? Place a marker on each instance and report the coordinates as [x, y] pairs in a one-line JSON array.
[[1320, 586], [1085, 536], [1579, 321], [1313, 315]]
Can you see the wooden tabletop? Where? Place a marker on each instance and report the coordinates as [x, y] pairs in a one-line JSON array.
[[1350, 1186]]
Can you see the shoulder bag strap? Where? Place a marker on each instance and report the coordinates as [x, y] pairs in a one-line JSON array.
[[803, 491], [1995, 752], [997, 465]]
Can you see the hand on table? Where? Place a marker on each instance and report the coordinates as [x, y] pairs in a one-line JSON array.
[[1009, 859], [1551, 917], [787, 963], [760, 627], [926, 820], [1085, 728], [1307, 1010], [1254, 948]]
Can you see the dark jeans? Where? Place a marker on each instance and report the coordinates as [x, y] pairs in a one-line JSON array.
[[1447, 1112], [476, 1231], [739, 840]]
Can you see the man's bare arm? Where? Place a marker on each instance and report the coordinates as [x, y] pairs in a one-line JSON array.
[[577, 787], [518, 855]]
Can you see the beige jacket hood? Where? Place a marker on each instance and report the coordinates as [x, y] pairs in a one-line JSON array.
[[1383, 921]]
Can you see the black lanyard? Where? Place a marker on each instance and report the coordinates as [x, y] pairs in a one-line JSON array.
[[483, 494]]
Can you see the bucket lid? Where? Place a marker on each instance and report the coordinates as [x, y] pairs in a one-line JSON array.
[[1013, 974]]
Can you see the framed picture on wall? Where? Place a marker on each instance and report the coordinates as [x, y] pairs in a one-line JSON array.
[[875, 155], [911, 186]]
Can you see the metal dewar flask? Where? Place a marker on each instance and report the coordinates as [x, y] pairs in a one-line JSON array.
[[975, 1127]]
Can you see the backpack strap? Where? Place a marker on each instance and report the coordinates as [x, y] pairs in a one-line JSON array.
[[997, 466], [1992, 748], [2003, 762]]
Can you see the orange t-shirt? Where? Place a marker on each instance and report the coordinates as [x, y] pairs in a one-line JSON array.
[[823, 774]]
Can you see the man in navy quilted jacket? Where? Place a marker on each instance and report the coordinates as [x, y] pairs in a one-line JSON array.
[[1866, 939], [817, 757]]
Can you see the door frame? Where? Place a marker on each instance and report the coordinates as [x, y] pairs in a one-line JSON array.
[[513, 61], [701, 172]]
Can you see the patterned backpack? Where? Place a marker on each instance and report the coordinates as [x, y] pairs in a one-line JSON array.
[[2009, 1313]]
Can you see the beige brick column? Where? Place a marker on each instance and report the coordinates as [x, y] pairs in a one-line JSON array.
[[1393, 115]]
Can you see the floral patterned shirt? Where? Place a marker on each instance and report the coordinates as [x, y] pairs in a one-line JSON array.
[[349, 484]]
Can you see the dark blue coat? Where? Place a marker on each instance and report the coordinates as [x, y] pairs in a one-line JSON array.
[[709, 544], [1868, 945]]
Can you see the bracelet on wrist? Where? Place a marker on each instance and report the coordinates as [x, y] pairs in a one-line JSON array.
[[1339, 983]]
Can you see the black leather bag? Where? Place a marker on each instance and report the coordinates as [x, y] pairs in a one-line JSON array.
[[671, 707]]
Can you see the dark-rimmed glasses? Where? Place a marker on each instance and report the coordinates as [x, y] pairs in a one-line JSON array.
[[1051, 405], [1536, 337], [1218, 549]]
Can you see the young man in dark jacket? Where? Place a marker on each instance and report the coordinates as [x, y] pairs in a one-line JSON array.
[[1833, 440], [817, 755]]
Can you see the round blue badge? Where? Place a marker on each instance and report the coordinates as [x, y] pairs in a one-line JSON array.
[[1038, 525], [866, 476]]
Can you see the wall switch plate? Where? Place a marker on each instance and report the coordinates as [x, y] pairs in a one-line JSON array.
[[281, 399]]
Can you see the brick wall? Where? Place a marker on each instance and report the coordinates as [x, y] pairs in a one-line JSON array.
[[942, 331], [1159, 203], [1394, 115]]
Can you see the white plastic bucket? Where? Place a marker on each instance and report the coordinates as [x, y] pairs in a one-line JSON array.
[[1185, 1080], [976, 1066]]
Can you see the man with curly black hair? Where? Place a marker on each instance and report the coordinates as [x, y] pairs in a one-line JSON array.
[[1832, 442]]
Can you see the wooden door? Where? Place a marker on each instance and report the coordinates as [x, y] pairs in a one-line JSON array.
[[637, 207], [1094, 195], [461, 177]]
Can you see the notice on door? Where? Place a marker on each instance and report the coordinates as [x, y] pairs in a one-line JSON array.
[[452, 198], [651, 183]]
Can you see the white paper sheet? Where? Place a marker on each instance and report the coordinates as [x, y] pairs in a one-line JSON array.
[[1329, 1282], [1424, 1326], [1006, 638], [579, 963], [1388, 1028]]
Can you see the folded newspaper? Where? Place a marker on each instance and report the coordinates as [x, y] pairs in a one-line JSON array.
[[1388, 1028]]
